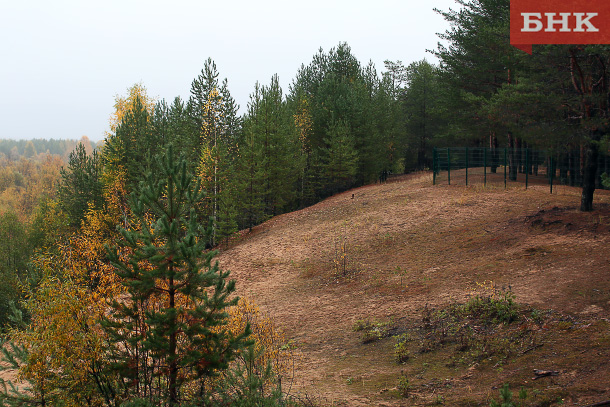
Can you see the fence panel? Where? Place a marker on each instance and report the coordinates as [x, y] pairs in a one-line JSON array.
[[477, 165]]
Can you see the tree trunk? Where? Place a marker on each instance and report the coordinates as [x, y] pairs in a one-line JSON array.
[[421, 158], [172, 354], [572, 165], [606, 167], [589, 177], [581, 164], [493, 146], [599, 172], [512, 165], [519, 156], [563, 168]]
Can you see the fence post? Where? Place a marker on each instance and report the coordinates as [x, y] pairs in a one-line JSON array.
[[505, 159], [527, 166], [485, 166], [551, 172], [448, 165], [434, 164], [466, 166]]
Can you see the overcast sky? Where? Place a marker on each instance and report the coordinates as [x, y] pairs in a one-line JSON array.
[[62, 62]]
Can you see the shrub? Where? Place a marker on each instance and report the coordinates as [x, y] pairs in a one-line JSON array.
[[401, 350], [404, 387], [502, 309], [372, 331]]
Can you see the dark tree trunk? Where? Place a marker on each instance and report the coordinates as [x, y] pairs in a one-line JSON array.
[[599, 172], [172, 354], [573, 166], [493, 145], [592, 85], [563, 168], [519, 155], [527, 161], [581, 164], [421, 157], [589, 177], [606, 167], [512, 165]]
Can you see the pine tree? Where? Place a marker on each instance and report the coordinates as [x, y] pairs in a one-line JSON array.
[[557, 97], [80, 184], [250, 167], [14, 252], [214, 113], [421, 112], [184, 133], [299, 104], [169, 334], [340, 158], [338, 89], [272, 133], [130, 150], [388, 109]]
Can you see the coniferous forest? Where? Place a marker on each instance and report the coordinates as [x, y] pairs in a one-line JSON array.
[[110, 293]]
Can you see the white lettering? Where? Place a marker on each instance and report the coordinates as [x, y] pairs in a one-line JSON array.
[[528, 20], [586, 21], [551, 21]]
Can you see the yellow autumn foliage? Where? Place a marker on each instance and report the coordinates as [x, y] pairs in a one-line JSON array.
[[63, 339], [303, 122], [122, 104], [276, 349]]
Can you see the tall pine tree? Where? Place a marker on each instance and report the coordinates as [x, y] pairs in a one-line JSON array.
[[215, 115], [168, 335], [80, 184]]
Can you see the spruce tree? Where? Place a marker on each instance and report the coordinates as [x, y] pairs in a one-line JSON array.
[[167, 335]]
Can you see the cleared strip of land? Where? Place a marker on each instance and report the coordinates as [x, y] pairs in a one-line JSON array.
[[389, 252]]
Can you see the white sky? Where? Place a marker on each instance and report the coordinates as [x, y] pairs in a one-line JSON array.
[[63, 61]]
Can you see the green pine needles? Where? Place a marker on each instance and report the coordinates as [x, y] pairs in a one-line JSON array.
[[167, 335], [506, 398]]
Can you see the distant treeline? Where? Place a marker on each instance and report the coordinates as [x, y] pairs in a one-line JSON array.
[[13, 149]]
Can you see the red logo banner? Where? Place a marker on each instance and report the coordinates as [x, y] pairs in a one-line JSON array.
[[559, 22]]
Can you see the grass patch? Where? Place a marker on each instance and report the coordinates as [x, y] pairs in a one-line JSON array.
[[488, 328], [372, 331]]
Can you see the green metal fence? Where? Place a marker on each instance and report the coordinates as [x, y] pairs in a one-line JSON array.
[[468, 165]]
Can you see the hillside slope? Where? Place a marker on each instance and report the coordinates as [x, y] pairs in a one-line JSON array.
[[410, 247]]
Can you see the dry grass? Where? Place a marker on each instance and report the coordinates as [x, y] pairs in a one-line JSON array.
[[412, 245]]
